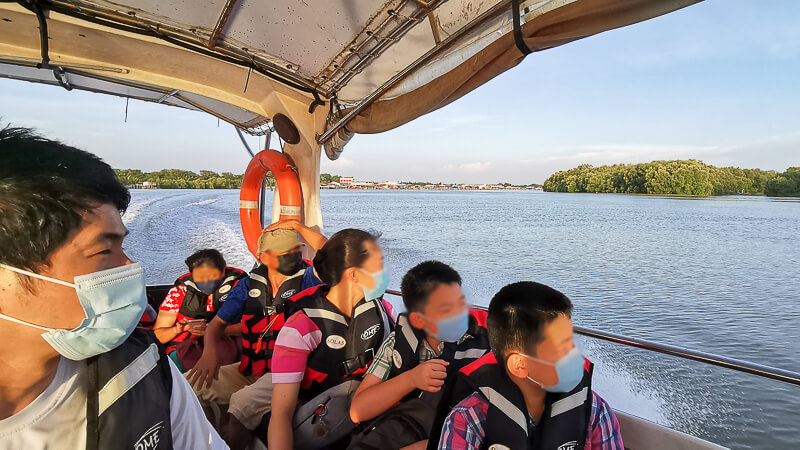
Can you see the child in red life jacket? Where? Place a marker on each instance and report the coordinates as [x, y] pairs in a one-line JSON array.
[[534, 391], [327, 344], [436, 336], [196, 297]]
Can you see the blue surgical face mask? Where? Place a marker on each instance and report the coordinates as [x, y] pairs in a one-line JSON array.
[[381, 279], [113, 301], [569, 369], [452, 328], [208, 287]]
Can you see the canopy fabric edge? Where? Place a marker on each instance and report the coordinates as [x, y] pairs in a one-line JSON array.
[[557, 27]]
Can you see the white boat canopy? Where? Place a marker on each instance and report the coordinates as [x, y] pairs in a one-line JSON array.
[[414, 54], [335, 67]]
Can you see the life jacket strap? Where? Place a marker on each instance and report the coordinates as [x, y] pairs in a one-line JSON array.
[[350, 366], [566, 404], [470, 353], [506, 407]]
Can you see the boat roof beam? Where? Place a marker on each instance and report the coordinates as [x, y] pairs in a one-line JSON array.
[[374, 40], [490, 14], [164, 97], [223, 19], [186, 39]]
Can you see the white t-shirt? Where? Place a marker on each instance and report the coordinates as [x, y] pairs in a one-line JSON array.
[[57, 418]]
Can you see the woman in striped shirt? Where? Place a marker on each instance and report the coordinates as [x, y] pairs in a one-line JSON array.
[[346, 316]]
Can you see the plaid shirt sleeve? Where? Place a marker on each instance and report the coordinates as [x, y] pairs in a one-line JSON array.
[[604, 429], [463, 427], [382, 363]]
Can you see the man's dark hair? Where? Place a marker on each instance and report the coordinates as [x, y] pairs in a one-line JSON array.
[[518, 314], [345, 249], [424, 278], [209, 256], [45, 186]]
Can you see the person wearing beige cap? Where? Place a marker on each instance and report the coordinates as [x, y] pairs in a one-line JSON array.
[[257, 303]]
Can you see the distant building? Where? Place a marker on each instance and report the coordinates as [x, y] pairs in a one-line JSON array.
[[390, 185], [346, 181], [362, 184], [143, 185]]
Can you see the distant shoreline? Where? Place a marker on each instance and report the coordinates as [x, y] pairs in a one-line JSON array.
[[686, 178], [512, 189]]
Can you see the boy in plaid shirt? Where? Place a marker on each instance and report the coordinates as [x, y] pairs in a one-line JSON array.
[[435, 336], [534, 389]]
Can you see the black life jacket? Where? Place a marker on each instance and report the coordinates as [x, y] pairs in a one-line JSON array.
[[263, 318], [128, 396], [348, 345], [564, 424], [408, 342], [194, 302]]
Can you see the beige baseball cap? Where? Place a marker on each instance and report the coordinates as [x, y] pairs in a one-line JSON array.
[[278, 241]]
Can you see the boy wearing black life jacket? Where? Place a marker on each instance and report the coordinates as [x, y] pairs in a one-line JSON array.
[[437, 335], [257, 302], [534, 390]]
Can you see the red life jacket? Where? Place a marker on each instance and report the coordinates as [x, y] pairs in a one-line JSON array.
[[348, 345], [563, 425], [195, 303], [408, 342], [263, 318]]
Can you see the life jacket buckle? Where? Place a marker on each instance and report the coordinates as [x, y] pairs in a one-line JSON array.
[[353, 364]]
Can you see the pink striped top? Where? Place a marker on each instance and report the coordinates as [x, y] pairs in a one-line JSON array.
[[297, 339]]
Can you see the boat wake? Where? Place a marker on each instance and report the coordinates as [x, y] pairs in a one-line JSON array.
[[630, 384], [621, 389], [202, 202], [136, 208], [221, 236]]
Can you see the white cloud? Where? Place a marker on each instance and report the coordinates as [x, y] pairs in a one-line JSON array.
[[626, 153], [342, 163], [469, 167]]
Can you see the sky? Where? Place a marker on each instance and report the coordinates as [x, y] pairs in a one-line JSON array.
[[718, 81]]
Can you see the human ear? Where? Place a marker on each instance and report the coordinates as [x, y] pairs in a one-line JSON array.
[[351, 274], [416, 320], [517, 365]]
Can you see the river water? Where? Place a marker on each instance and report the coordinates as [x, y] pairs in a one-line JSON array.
[[718, 275]]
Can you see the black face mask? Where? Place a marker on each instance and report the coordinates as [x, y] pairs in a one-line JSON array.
[[290, 263]]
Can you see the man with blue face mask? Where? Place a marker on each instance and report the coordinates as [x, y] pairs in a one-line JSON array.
[[437, 335], [534, 390], [76, 373]]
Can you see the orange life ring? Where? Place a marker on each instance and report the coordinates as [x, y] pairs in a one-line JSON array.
[[288, 187]]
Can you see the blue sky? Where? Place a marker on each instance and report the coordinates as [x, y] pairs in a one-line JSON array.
[[718, 81]]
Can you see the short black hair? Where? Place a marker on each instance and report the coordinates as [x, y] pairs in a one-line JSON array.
[[210, 256], [424, 278], [45, 186], [518, 314], [345, 249]]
